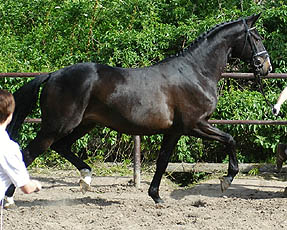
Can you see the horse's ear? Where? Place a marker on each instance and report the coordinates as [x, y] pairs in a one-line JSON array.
[[252, 19]]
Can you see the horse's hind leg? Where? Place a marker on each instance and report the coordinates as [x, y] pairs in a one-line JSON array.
[[37, 146], [63, 147], [168, 144], [9, 200], [207, 131]]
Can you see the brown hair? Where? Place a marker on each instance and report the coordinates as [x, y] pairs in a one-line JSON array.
[[7, 105]]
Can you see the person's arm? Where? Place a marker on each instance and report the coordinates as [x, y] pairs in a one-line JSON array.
[[14, 167], [31, 186], [281, 99]]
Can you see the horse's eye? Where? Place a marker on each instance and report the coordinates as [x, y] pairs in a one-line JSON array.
[[257, 61]]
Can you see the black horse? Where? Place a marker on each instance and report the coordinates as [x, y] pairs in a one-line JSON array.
[[174, 97]]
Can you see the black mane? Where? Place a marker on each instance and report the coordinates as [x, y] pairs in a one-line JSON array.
[[201, 37]]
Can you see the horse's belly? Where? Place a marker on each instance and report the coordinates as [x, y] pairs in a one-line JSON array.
[[159, 117], [136, 121]]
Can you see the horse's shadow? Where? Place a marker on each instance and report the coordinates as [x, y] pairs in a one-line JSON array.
[[67, 202], [236, 190], [51, 182], [250, 190]]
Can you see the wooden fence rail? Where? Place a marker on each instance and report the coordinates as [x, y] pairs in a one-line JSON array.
[[224, 75]]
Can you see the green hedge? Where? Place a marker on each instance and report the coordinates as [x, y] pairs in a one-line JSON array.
[[40, 36]]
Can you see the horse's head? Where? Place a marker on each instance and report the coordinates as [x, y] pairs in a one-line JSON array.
[[250, 48]]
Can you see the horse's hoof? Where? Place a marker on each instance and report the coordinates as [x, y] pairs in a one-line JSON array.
[[10, 206], [84, 187], [225, 183], [158, 200]]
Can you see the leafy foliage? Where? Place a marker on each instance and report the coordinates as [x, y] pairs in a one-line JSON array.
[[43, 36]]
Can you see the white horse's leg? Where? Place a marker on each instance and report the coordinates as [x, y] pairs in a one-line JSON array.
[[85, 181]]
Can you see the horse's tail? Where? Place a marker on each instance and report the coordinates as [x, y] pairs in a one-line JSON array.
[[25, 99]]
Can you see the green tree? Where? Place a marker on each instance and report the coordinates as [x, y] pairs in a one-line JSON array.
[[43, 36]]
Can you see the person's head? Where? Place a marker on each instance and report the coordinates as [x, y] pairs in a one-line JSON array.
[[7, 105]]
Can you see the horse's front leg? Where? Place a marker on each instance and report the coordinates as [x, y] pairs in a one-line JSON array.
[[207, 131], [232, 166], [168, 144]]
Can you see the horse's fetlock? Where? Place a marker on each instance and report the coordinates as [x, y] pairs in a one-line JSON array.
[[86, 175], [153, 192]]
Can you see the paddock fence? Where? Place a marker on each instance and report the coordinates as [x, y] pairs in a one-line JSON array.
[[184, 167]]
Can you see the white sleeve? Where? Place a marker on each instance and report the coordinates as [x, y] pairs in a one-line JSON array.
[[14, 166]]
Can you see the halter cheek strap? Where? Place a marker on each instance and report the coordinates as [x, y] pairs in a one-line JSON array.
[[255, 54]]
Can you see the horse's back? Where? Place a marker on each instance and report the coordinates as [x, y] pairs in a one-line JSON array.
[[136, 101]]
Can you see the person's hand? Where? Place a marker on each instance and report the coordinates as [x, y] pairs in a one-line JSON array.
[[37, 184], [276, 109]]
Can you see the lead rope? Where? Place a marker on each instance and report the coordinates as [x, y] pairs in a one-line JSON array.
[[258, 79]]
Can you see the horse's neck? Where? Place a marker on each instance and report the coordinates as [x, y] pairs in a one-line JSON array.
[[211, 54]]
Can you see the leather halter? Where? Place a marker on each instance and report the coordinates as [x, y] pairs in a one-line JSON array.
[[255, 53]]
